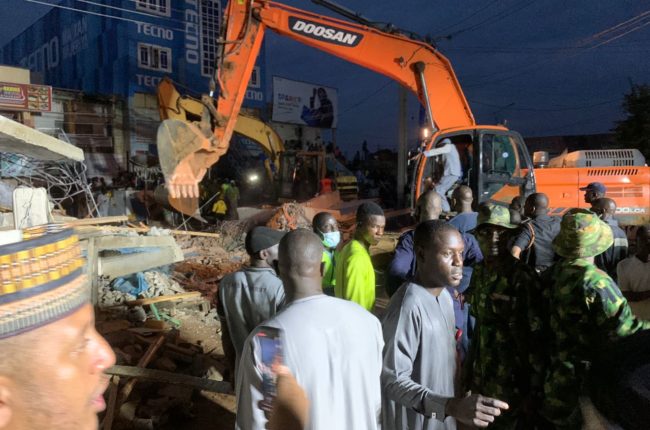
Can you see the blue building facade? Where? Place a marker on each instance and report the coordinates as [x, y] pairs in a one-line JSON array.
[[126, 46]]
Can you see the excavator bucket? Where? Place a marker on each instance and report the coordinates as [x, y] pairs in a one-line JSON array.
[[184, 153]]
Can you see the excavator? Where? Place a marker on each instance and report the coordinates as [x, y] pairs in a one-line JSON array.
[[497, 164], [280, 165]]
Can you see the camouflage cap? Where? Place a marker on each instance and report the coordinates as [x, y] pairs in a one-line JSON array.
[[489, 213], [582, 234]]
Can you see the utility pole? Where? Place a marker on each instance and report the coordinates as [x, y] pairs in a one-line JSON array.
[[402, 145]]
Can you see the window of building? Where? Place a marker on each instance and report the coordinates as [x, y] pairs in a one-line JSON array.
[[154, 57], [210, 19], [255, 78], [159, 7]]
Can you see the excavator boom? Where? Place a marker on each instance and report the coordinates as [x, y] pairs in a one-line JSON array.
[[187, 150]]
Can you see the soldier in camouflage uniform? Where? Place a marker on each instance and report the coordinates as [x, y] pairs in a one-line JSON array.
[[506, 354], [587, 312]]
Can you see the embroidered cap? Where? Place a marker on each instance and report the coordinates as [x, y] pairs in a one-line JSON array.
[[41, 279]]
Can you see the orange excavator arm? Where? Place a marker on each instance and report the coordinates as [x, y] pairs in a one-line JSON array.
[[187, 150]]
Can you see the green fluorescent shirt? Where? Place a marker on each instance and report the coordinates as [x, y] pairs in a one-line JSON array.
[[329, 263], [355, 276]]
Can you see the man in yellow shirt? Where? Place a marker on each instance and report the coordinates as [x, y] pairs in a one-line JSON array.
[[355, 276]]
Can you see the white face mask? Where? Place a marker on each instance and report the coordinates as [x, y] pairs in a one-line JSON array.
[[331, 239]]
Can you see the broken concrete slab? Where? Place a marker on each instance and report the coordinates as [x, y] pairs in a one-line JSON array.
[[115, 266], [19, 139]]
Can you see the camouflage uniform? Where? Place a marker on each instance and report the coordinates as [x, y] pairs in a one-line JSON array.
[[587, 312], [507, 354]]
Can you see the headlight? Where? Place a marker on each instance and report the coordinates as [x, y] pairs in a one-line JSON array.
[[254, 177]]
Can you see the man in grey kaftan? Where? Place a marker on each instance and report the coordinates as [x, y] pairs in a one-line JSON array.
[[417, 320]]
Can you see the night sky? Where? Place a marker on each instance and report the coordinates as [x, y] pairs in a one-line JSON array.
[[536, 64]]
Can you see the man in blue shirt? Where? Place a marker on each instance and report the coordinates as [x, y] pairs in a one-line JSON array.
[[461, 202]]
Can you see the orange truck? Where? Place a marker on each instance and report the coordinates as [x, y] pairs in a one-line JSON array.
[[623, 172]]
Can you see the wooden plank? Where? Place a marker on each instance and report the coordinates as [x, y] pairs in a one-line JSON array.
[[192, 295], [144, 362], [98, 221], [171, 378], [107, 424]]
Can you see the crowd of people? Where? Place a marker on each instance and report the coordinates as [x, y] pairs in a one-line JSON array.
[[493, 319], [500, 317]]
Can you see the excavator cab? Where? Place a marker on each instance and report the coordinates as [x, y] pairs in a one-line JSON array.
[[495, 164]]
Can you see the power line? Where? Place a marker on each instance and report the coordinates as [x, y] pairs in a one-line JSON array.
[[468, 16], [137, 12], [558, 109], [493, 19], [365, 99], [121, 18]]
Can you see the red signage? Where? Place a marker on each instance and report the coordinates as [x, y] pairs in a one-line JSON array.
[[35, 98]]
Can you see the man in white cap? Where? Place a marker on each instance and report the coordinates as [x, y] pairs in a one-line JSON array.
[[452, 170]]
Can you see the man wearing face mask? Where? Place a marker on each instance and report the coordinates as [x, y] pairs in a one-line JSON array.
[[251, 295], [355, 275], [326, 227], [506, 352]]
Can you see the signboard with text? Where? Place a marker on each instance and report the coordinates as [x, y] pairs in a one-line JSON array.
[[303, 103], [35, 98]]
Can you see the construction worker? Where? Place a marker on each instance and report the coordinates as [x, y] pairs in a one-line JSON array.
[[608, 260], [219, 207], [333, 347], [587, 313], [52, 360], [355, 275], [593, 192], [251, 295], [231, 194], [506, 358], [417, 379], [534, 244], [461, 202], [326, 227]]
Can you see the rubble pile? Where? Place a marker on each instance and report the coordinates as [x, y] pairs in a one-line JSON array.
[[289, 216]]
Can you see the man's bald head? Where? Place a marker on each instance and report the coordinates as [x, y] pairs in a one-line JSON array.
[[604, 207], [428, 206], [536, 204], [462, 198], [299, 260]]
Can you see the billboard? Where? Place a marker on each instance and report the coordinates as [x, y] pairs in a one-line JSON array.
[[303, 103], [35, 98]]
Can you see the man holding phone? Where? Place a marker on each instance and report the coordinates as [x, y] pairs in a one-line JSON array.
[[337, 361]]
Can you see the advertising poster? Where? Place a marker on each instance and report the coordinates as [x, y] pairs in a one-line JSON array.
[[303, 103], [35, 98]]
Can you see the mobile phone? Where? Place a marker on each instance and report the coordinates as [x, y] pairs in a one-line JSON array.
[[269, 340]]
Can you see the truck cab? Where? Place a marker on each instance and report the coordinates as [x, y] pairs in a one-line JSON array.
[[494, 160]]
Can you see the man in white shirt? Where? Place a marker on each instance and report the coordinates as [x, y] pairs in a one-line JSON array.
[[634, 275], [332, 346], [452, 170]]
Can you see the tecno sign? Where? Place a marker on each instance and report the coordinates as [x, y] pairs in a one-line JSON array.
[[324, 33]]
